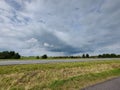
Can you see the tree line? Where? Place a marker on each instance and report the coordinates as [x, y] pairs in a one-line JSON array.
[[14, 55], [65, 57], [9, 55], [88, 56], [109, 56]]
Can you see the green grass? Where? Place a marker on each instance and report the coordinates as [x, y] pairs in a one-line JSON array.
[[81, 80], [57, 76]]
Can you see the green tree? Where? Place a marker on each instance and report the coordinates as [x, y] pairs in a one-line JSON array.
[[83, 56], [44, 56], [9, 55], [17, 56], [87, 55]]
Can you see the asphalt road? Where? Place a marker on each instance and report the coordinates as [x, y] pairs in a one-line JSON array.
[[113, 84], [16, 62]]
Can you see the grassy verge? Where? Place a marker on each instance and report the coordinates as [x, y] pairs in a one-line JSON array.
[[57, 76], [81, 81]]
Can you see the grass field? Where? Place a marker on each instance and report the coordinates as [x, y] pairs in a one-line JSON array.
[[57, 76]]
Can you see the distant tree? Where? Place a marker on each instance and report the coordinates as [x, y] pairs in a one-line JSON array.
[[118, 56], [17, 56], [99, 56], [12, 53], [6, 54], [108, 56], [83, 56], [37, 57], [113, 55], [9, 55], [44, 56], [71, 56], [87, 55]]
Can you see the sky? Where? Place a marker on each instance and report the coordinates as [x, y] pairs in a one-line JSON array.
[[60, 27]]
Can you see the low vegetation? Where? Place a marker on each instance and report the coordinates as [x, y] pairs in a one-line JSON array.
[[57, 76]]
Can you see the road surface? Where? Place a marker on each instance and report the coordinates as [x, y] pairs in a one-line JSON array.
[[113, 84], [15, 62]]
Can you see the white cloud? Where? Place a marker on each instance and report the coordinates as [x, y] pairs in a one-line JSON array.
[[59, 27]]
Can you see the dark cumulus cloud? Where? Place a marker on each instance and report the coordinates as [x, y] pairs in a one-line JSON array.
[[53, 44], [60, 27]]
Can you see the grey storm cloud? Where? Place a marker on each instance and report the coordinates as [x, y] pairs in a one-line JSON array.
[[60, 27]]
